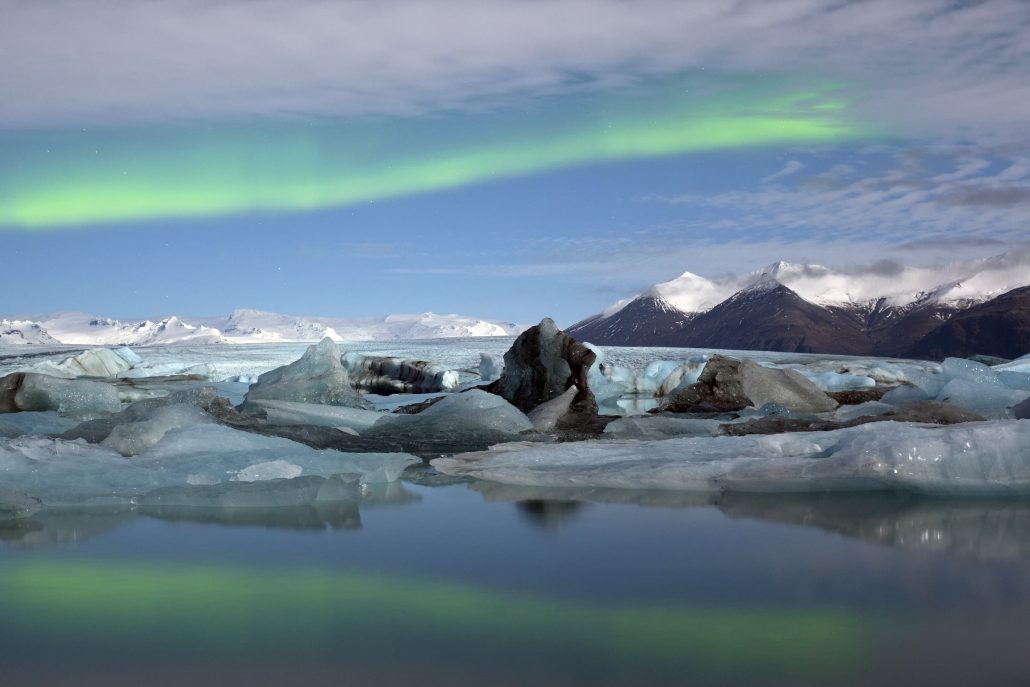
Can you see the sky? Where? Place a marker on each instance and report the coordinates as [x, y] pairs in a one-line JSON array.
[[504, 159]]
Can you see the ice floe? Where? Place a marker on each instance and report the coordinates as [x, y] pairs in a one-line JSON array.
[[985, 458]]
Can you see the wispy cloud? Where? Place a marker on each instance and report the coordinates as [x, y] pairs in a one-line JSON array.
[[929, 65], [974, 200], [791, 167]]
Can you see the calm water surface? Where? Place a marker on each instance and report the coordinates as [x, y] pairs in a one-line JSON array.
[[485, 584]]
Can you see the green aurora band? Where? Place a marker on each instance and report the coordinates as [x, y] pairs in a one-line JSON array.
[[72, 178], [226, 608]]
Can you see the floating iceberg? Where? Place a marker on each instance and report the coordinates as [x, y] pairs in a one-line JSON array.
[[78, 398], [985, 458], [392, 375], [470, 418], [290, 413], [318, 377], [73, 471]]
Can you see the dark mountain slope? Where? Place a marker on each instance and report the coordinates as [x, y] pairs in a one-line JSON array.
[[1000, 327]]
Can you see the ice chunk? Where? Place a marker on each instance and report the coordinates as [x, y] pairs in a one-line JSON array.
[[62, 471], [273, 469], [490, 366], [970, 370], [15, 505], [390, 375], [545, 416], [78, 398], [290, 413], [992, 400], [837, 381], [981, 458], [728, 384], [318, 377], [267, 493], [132, 438], [661, 427], [1015, 380], [46, 422], [96, 362], [460, 417], [845, 413]]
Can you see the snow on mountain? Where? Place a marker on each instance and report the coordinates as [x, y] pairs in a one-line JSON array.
[[243, 326], [85, 329], [16, 332], [961, 283]]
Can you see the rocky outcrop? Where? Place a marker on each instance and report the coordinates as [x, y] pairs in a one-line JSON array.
[[727, 384], [318, 377]]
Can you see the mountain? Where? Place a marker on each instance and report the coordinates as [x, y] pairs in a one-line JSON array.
[[882, 310], [770, 317], [242, 326], [1000, 327], [24, 332]]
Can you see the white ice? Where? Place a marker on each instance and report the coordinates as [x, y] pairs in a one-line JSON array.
[[984, 458], [61, 471]]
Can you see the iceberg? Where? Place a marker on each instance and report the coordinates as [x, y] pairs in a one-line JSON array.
[[981, 458], [78, 398], [96, 362], [290, 413], [470, 417], [392, 375], [318, 377], [62, 471]]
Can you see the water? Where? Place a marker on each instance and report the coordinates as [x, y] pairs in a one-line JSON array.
[[487, 584]]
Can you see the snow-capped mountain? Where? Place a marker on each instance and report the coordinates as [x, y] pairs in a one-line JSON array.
[[242, 326], [884, 309], [24, 332]]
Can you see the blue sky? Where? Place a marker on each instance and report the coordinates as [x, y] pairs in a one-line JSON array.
[[517, 165]]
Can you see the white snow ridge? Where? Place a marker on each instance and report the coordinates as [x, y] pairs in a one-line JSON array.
[[241, 327]]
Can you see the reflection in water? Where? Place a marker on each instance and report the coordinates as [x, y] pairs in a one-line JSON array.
[[997, 529], [547, 514], [57, 527], [324, 614]]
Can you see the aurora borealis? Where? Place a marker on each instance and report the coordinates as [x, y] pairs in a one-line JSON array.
[[353, 159], [78, 178]]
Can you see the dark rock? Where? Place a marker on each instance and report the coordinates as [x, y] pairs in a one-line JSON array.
[[853, 397], [1021, 411], [541, 365], [727, 384], [9, 386], [415, 408], [717, 390], [927, 412]]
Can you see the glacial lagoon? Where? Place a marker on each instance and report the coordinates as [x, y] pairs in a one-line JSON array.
[[438, 579]]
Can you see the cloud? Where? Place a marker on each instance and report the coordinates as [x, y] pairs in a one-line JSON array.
[[791, 167], [945, 197], [926, 65]]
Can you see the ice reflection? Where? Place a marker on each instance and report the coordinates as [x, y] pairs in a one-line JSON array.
[[58, 527], [996, 529]]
